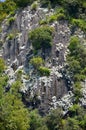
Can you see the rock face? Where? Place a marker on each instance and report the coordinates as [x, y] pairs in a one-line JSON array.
[[18, 51]]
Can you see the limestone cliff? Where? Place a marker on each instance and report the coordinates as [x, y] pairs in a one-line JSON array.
[[38, 91]]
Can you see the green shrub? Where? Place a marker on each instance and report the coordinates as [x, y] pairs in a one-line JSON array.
[[79, 23], [59, 10], [44, 71], [10, 36], [0, 29], [23, 3], [74, 43], [5, 8], [77, 94], [2, 65], [43, 22], [52, 18], [41, 37], [79, 77], [56, 16], [34, 5], [36, 62], [11, 20], [84, 71], [74, 65], [61, 16]]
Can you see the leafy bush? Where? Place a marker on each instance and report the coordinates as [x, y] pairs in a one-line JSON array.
[[23, 3], [77, 64], [52, 18], [2, 65], [10, 36], [34, 5], [36, 62], [44, 71], [43, 22], [5, 8], [79, 23], [11, 20], [61, 16], [58, 15], [41, 37], [74, 43]]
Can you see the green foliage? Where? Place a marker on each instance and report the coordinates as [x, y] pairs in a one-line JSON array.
[[58, 15], [44, 71], [74, 43], [77, 62], [41, 37], [43, 22], [19, 74], [53, 120], [15, 88], [34, 5], [52, 18], [74, 65], [79, 23], [11, 20], [37, 122], [10, 36], [2, 65], [36, 62], [13, 115], [5, 9], [23, 3]]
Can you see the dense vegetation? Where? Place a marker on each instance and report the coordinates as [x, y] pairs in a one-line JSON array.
[[13, 113], [77, 64], [41, 37]]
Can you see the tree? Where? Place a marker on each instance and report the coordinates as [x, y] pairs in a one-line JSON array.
[[41, 37], [53, 120], [36, 121], [36, 62], [23, 3]]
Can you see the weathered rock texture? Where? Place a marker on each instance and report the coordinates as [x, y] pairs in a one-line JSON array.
[[18, 51]]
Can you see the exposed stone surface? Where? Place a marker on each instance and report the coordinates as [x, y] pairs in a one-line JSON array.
[[52, 91]]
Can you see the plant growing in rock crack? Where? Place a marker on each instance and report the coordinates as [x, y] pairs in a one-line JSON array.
[[34, 5], [11, 20], [36, 62], [41, 37], [10, 36], [44, 71]]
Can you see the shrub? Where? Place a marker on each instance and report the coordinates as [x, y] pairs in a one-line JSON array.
[[57, 16], [52, 18], [10, 36], [34, 5], [61, 16], [11, 20], [79, 23], [41, 37], [74, 43], [77, 94], [42, 22], [79, 77], [59, 10], [2, 65], [74, 65], [44, 71], [36, 62], [23, 3]]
